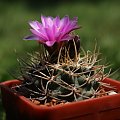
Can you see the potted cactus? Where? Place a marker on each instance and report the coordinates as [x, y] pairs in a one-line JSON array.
[[60, 81]]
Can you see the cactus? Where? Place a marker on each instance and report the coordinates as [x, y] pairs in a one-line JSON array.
[[66, 75]]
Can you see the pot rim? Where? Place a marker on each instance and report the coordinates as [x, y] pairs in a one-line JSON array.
[[82, 103]]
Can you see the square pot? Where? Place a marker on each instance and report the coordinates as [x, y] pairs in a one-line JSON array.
[[20, 108]]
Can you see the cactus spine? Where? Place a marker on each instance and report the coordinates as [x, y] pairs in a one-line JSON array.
[[73, 76]]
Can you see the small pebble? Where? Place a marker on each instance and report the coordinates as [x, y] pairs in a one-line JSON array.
[[36, 102], [112, 93]]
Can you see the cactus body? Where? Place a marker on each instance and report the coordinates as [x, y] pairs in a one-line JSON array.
[[67, 79]]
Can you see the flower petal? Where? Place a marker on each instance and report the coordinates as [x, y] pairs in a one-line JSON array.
[[67, 37], [34, 25], [49, 43], [49, 21], [39, 34], [56, 21], [52, 30], [43, 19], [50, 34], [31, 37]]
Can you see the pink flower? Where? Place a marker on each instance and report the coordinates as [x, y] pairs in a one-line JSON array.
[[52, 30]]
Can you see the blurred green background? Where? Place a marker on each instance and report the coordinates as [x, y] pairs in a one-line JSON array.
[[100, 20]]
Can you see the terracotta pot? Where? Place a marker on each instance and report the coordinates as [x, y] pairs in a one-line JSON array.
[[20, 108]]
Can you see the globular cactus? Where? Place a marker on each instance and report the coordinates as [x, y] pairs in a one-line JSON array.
[[73, 76]]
